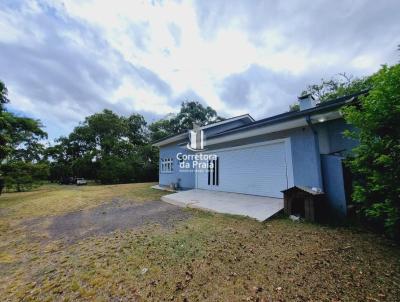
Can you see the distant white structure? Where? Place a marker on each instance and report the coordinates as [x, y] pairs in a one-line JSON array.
[[196, 138]]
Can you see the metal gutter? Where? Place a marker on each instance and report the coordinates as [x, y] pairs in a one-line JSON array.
[[170, 139], [317, 150], [294, 118], [326, 107], [177, 137], [308, 120]]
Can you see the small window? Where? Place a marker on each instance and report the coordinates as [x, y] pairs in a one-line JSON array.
[[209, 172], [217, 172], [213, 172], [167, 165]]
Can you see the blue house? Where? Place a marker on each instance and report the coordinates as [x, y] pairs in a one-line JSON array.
[[264, 157]]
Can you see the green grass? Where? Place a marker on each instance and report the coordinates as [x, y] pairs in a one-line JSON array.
[[209, 257]]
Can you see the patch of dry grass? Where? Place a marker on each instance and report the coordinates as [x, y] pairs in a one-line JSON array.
[[209, 257], [57, 199], [18, 244]]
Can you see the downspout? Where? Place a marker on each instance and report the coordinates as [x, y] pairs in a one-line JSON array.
[[317, 151]]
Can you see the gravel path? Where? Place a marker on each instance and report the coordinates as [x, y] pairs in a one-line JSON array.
[[106, 218]]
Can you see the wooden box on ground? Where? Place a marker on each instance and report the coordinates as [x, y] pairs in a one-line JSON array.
[[304, 202]]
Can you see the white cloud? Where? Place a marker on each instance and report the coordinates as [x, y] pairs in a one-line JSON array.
[[364, 62], [196, 64], [141, 98], [14, 29], [145, 55], [57, 122]]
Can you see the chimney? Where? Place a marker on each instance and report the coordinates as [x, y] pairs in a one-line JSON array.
[[307, 101]]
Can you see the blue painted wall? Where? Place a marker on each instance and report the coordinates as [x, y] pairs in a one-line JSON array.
[[187, 179], [331, 133], [309, 167], [305, 158], [337, 147], [334, 183]]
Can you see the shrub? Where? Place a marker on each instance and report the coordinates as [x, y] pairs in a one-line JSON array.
[[376, 161]]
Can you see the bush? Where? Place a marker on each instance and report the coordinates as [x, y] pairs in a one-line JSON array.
[[21, 176], [376, 161]]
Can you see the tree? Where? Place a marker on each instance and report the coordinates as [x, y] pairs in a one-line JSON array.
[[116, 149], [137, 131], [163, 128], [3, 96], [195, 113], [106, 147], [338, 86], [376, 160], [191, 112], [21, 150], [3, 137], [21, 176], [294, 107], [23, 136], [60, 158]]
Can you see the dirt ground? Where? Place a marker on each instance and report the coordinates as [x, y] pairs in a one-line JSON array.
[[118, 214], [120, 243]]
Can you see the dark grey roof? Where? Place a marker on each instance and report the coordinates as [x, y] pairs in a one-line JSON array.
[[305, 96], [320, 108], [167, 137], [225, 120]]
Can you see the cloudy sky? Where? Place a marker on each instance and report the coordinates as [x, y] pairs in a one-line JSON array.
[[64, 60]]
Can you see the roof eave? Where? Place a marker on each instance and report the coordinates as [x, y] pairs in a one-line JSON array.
[[169, 140], [270, 123], [172, 139], [280, 120], [229, 120], [278, 126]]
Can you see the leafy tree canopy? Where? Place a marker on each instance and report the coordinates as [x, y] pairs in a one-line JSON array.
[[19, 136], [191, 112], [338, 86], [377, 158], [21, 149], [23, 136], [105, 147], [3, 96]]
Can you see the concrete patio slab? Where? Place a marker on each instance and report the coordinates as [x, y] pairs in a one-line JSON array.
[[258, 207], [158, 187]]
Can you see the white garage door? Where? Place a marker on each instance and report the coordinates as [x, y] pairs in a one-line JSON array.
[[257, 170]]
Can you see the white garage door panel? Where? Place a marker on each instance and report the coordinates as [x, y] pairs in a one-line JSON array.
[[258, 170]]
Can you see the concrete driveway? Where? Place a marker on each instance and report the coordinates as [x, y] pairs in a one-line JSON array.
[[258, 207]]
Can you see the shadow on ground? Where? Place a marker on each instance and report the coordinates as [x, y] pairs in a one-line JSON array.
[[115, 215]]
